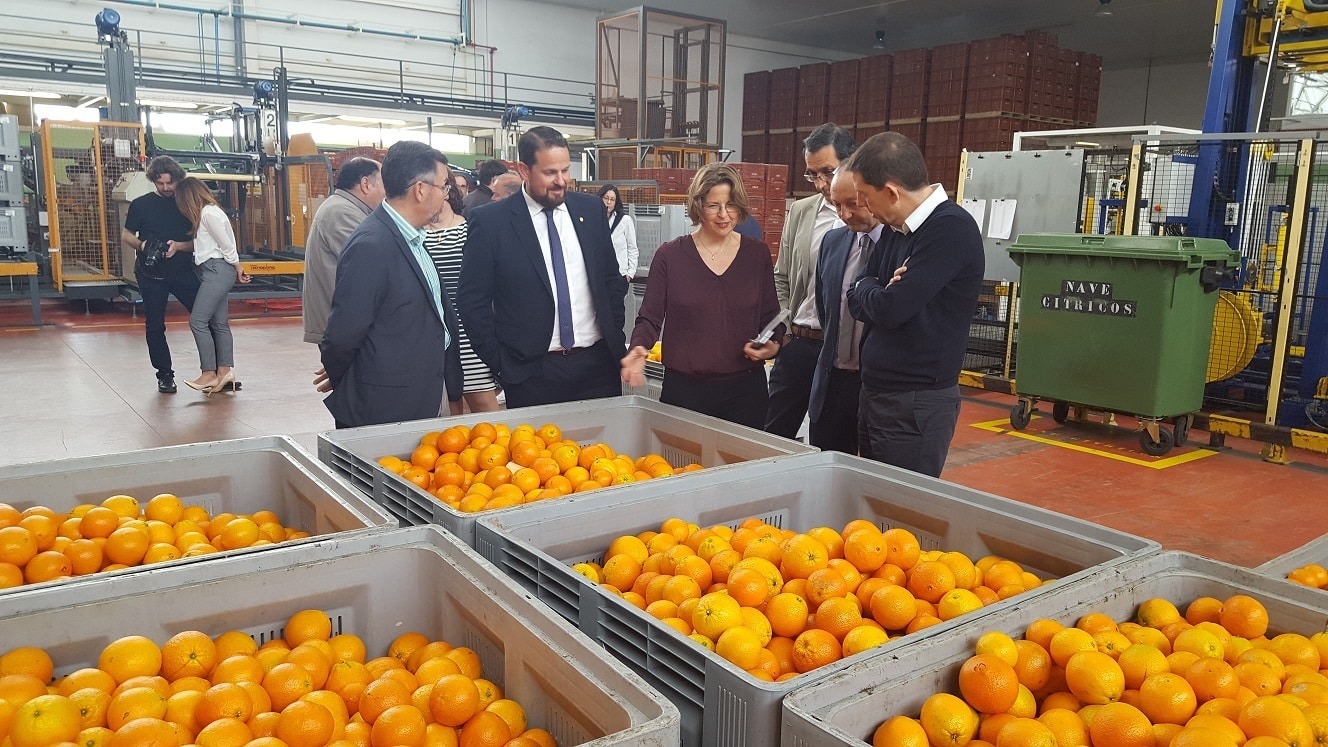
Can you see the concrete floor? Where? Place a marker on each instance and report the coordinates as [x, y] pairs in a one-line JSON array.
[[82, 385]]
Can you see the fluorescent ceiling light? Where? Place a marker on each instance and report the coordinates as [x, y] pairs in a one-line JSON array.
[[373, 120], [32, 94], [1089, 145], [168, 104]]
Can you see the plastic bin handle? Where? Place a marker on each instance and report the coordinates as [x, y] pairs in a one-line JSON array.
[[1093, 240], [1213, 277]]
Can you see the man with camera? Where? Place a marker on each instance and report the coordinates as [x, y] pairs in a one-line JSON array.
[[160, 234]]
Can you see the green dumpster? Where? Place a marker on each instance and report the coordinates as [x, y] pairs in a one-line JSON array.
[[1118, 323]]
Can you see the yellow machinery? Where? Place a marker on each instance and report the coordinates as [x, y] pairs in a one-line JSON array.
[[1297, 30]]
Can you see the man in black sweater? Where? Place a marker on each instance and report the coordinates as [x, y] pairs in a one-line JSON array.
[[916, 299]]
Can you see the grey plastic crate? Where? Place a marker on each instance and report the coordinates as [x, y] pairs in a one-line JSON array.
[[654, 385], [845, 709], [631, 425], [721, 704], [1314, 551], [376, 586], [240, 476]]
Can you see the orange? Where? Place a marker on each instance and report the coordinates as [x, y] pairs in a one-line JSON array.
[[1167, 698], [239, 668], [428, 651], [398, 726], [741, 646], [1033, 665], [815, 648], [307, 625], [900, 731], [902, 547], [716, 613], [127, 545], [226, 700], [188, 654], [18, 545], [11, 575], [45, 529], [1026, 732], [405, 644], [454, 700], [787, 614], [1293, 648], [1000, 645], [894, 607], [142, 732], [286, 683], [48, 566], [467, 660], [131, 656], [866, 549], [930, 580], [1042, 631], [305, 724], [424, 457], [182, 709], [838, 616], [92, 705], [957, 602], [1139, 662], [948, 720], [226, 732], [136, 702], [20, 688], [1212, 679], [1157, 613], [489, 692], [1121, 725], [988, 684], [1094, 677], [1066, 726], [314, 660], [747, 586], [826, 583], [1270, 716], [28, 660], [85, 678]]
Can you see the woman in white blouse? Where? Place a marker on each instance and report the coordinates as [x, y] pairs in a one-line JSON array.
[[623, 230], [217, 263]]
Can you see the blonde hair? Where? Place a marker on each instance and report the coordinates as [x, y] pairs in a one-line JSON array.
[[191, 196], [707, 179]]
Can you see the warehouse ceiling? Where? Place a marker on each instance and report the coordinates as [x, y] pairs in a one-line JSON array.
[[1135, 32]]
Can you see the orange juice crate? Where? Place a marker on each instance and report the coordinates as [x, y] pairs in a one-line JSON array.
[[847, 708], [630, 425], [377, 587], [269, 479], [720, 703], [1314, 552]]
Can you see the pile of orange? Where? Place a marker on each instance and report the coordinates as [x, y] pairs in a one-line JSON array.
[[1310, 575], [491, 466], [307, 689], [776, 603], [1209, 678], [39, 544]]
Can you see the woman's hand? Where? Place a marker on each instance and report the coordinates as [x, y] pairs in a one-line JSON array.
[[634, 366], [243, 276], [763, 353]]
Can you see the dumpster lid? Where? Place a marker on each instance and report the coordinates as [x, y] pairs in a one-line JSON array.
[[1159, 248]]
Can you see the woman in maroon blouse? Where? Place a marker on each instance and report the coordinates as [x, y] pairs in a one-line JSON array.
[[716, 291]]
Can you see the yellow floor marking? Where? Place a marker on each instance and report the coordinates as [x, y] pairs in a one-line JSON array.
[[1003, 426]]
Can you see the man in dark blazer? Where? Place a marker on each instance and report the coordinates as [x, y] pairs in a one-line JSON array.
[[390, 348], [836, 384], [540, 292]]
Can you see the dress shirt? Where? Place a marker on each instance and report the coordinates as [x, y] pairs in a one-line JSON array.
[[923, 211], [415, 240], [584, 324], [857, 259], [215, 239], [827, 219]]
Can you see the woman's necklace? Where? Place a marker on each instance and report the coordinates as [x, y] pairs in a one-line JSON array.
[[715, 252]]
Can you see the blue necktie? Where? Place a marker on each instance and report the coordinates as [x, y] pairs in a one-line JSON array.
[[565, 335]]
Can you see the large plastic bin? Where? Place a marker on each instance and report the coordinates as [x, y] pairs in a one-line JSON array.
[[631, 425], [1314, 551], [845, 709], [722, 705], [241, 476], [376, 586], [1118, 323]]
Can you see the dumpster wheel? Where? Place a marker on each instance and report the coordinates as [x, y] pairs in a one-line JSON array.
[[1021, 414], [1182, 429], [1060, 412], [1161, 446]]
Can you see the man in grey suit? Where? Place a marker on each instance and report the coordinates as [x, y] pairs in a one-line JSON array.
[[359, 191], [833, 406], [809, 220], [390, 350]]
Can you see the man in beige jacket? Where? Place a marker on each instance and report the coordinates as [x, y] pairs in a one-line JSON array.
[[359, 192], [809, 220]]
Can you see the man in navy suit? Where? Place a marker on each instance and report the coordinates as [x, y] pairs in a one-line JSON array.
[[836, 383], [389, 350], [540, 293]]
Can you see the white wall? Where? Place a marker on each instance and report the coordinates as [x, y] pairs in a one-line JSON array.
[[1172, 94]]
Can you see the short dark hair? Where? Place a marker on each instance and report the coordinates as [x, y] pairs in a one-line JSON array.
[[708, 178], [889, 157], [163, 165], [618, 207], [354, 170], [407, 162], [537, 139], [831, 134], [487, 170]]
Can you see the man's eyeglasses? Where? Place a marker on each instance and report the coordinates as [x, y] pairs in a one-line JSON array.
[[714, 208], [444, 186], [816, 176]]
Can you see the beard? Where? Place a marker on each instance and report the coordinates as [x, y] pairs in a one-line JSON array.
[[549, 200]]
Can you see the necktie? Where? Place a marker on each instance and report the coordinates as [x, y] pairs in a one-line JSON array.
[[849, 328], [566, 337]]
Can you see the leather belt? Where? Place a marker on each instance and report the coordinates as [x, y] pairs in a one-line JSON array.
[[806, 333], [573, 351]]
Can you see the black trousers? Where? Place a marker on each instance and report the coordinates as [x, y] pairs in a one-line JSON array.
[[183, 284], [837, 427], [592, 373], [908, 429], [791, 386], [740, 400]]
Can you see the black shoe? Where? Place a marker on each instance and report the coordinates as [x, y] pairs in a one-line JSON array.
[[166, 384]]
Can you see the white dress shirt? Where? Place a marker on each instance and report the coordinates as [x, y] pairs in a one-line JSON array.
[[827, 219], [584, 325], [216, 238], [923, 211]]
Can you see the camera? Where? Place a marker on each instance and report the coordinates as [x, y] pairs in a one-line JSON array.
[[152, 260]]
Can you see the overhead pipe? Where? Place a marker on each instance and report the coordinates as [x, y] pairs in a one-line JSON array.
[[246, 16]]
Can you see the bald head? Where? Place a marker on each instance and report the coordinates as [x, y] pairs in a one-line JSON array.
[[844, 196], [505, 185]]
